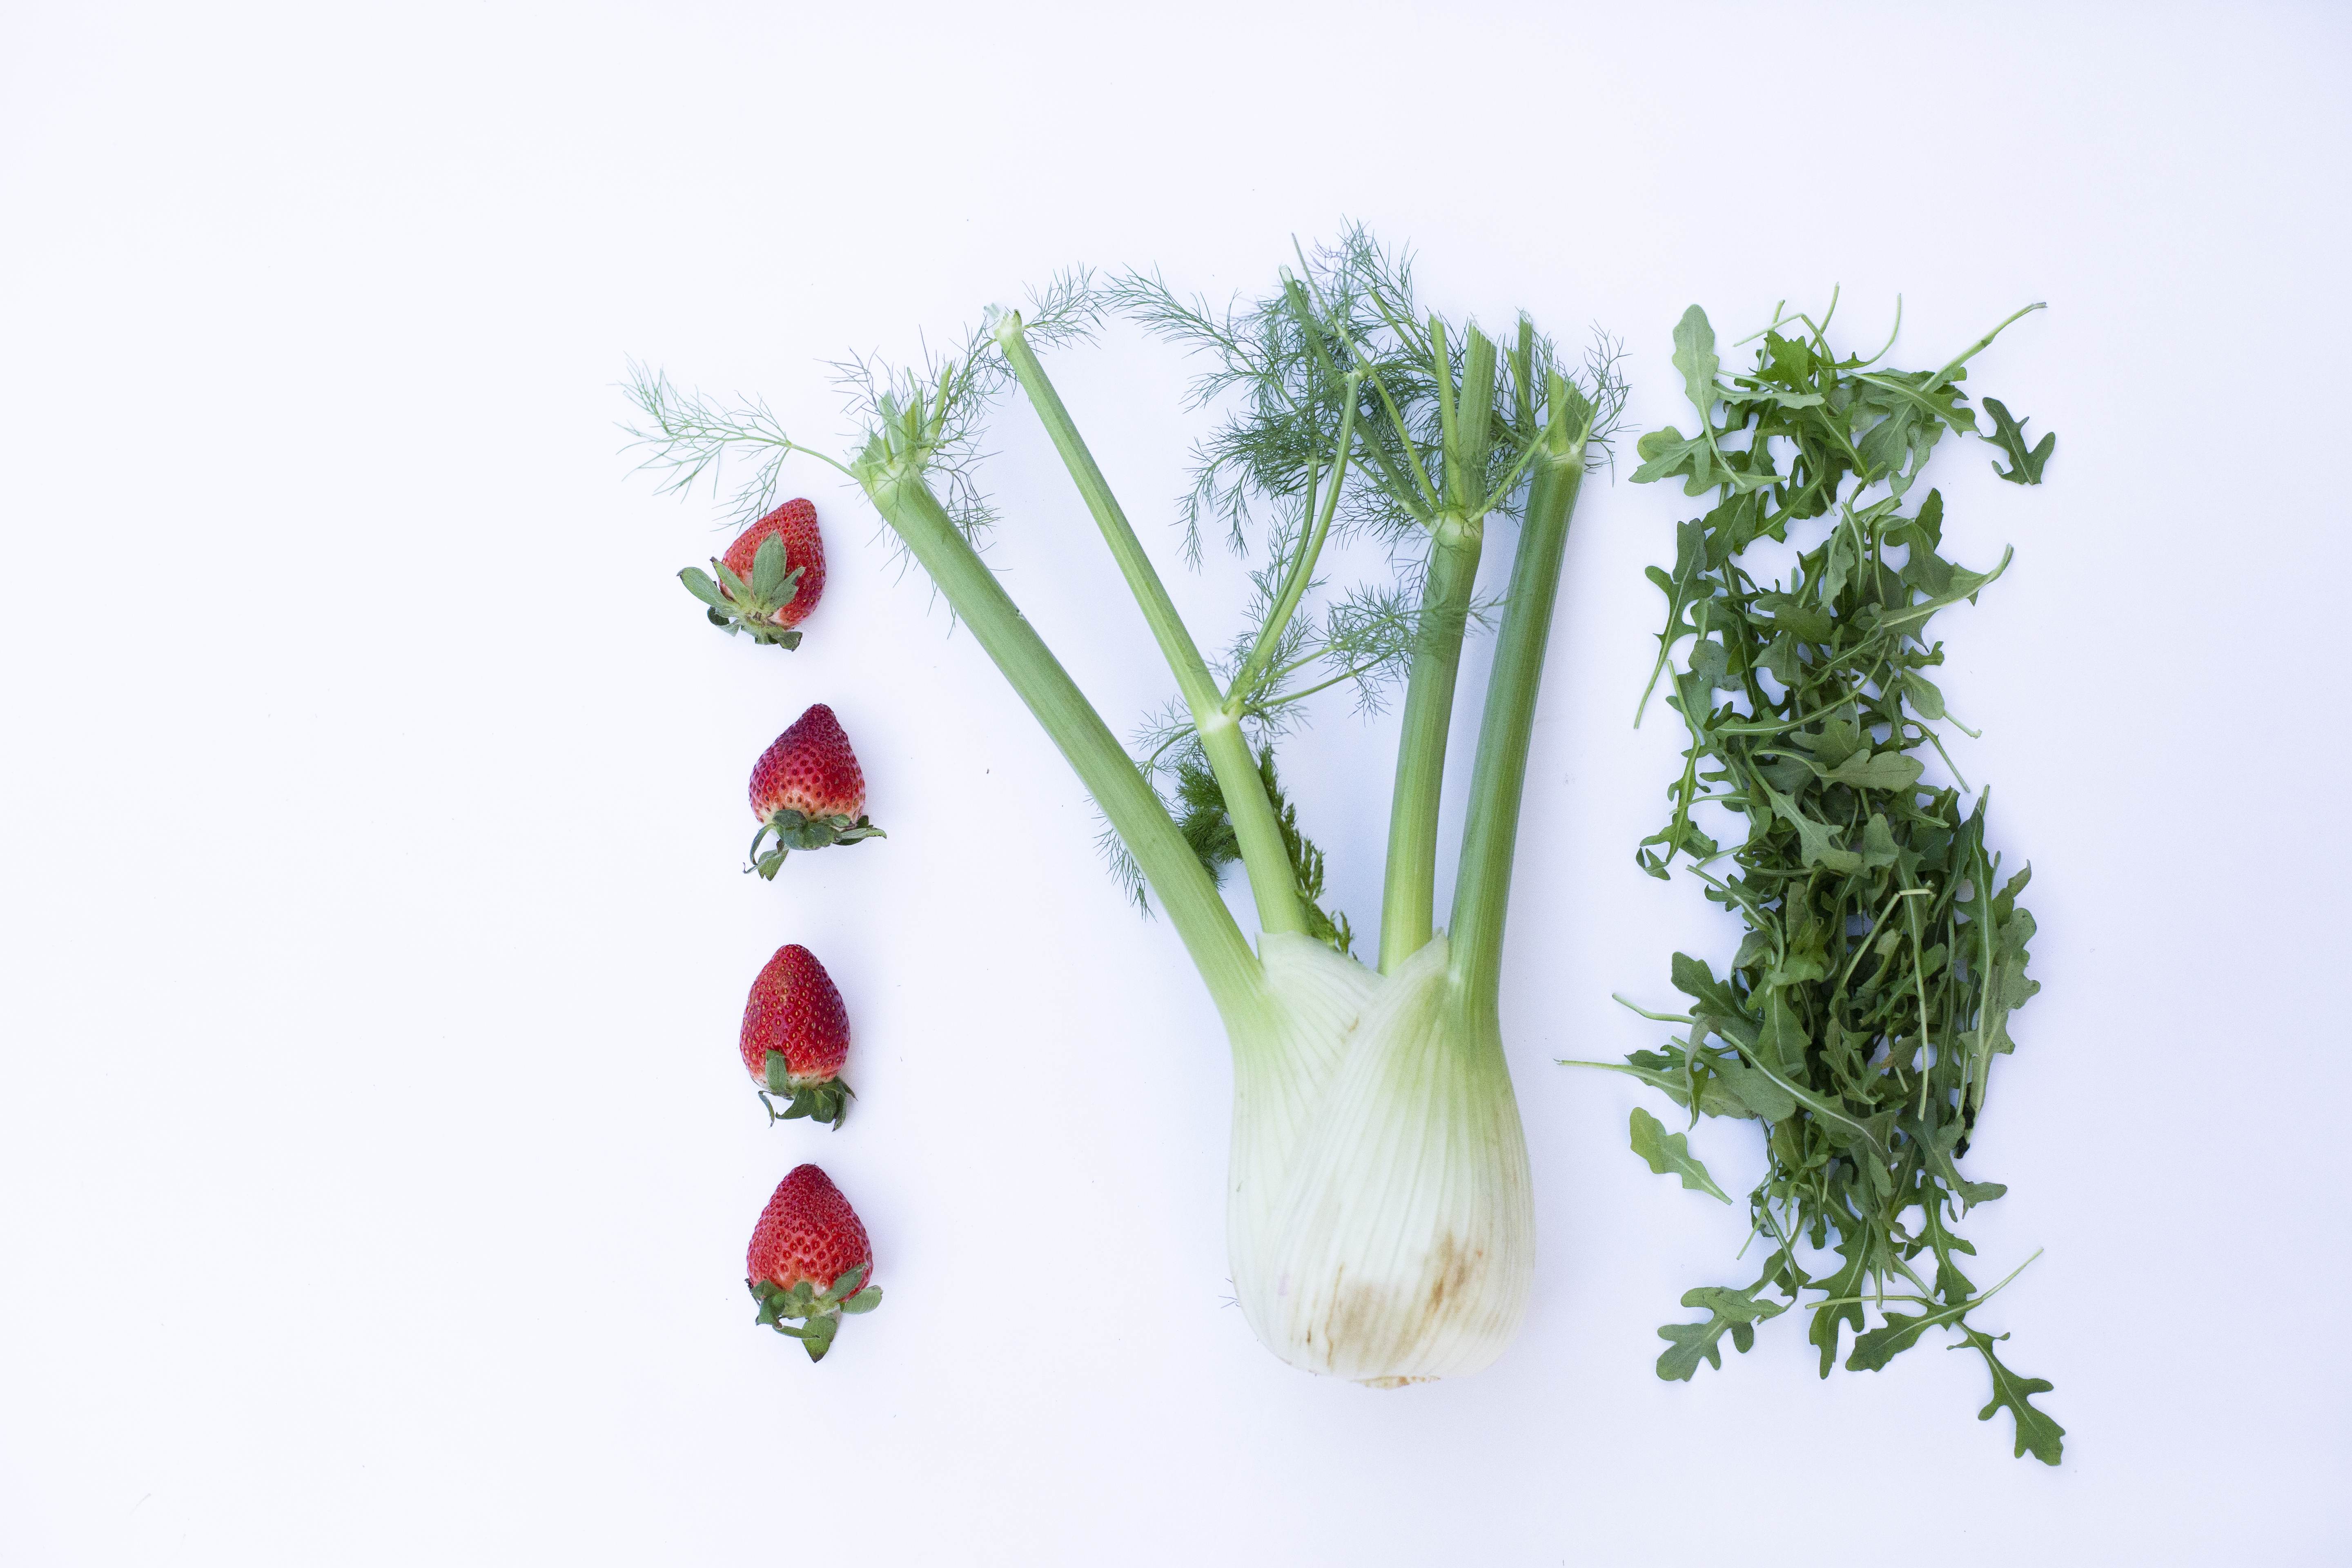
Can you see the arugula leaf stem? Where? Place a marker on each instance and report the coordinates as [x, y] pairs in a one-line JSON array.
[[1845, 700], [1919, 976], [1822, 332], [1984, 342], [1659, 1017], [1937, 740], [1970, 1305], [1683, 792], [1729, 890]]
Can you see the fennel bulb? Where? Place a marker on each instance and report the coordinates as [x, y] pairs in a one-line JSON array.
[[1378, 1222]]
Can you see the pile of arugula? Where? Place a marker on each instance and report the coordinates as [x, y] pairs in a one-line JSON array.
[[1863, 1011]]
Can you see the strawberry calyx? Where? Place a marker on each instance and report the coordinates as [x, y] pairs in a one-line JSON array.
[[820, 1311], [798, 831], [818, 1098], [735, 605]]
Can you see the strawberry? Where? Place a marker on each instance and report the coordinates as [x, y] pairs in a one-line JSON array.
[[807, 790], [794, 526], [796, 1034], [810, 1260], [769, 580]]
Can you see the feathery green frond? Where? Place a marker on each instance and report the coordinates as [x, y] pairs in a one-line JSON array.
[[689, 437], [1208, 828], [1124, 868]]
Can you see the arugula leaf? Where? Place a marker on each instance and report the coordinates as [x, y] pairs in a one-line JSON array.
[[1874, 1349], [1682, 591], [1765, 1099], [1820, 840], [1728, 1311], [1925, 694], [1714, 1097], [1843, 1307], [2036, 1433], [2009, 434], [1695, 357], [1882, 770], [1667, 453], [1669, 1152], [1696, 981]]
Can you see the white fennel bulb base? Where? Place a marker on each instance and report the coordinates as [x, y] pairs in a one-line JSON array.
[[1380, 1225]]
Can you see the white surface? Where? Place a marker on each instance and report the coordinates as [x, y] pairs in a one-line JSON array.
[[375, 1160]]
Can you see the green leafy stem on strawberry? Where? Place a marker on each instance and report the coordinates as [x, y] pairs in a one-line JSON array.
[[735, 605], [819, 1312], [797, 830], [820, 1100]]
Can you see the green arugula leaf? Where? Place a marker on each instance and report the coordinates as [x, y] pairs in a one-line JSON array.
[[1924, 696], [1670, 1152], [1784, 361], [1696, 981], [1845, 563], [1763, 1098], [1820, 840], [1882, 770], [2036, 1433], [1811, 623], [1924, 397], [1683, 589], [1666, 1073], [1667, 453], [1783, 1043], [1745, 393], [1728, 1311], [1714, 1097], [1879, 846], [1708, 662], [1927, 528], [1844, 1306], [2009, 436], [1695, 357], [1874, 1349]]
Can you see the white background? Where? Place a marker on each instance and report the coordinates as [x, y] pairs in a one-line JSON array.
[[376, 1164]]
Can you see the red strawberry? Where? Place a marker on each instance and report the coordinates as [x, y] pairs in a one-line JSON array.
[[796, 1034], [769, 580], [794, 523], [807, 790], [810, 1260]]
